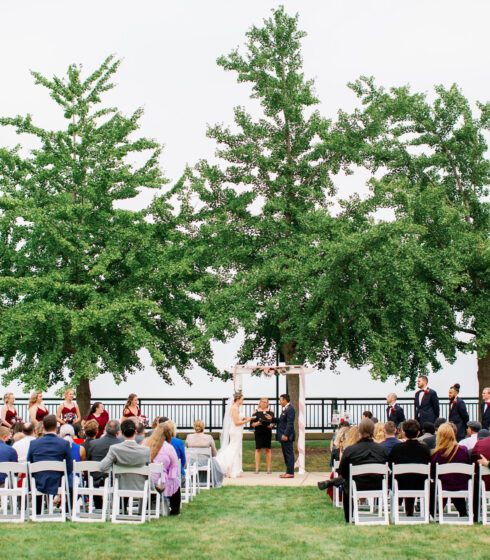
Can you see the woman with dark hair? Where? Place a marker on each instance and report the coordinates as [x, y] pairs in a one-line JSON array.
[[458, 414], [132, 410], [99, 414]]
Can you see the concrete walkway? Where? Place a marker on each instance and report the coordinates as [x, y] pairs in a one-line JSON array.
[[263, 479]]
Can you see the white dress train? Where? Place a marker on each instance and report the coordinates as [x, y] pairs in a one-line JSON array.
[[230, 457]]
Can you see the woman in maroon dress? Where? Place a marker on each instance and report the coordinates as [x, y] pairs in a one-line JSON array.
[[9, 412], [132, 410], [37, 410], [100, 415], [68, 412]]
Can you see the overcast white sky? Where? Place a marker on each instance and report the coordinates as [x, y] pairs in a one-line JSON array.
[[169, 51]]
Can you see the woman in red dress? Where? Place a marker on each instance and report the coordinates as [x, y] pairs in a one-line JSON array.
[[100, 415], [37, 410], [9, 413], [68, 412], [132, 410]]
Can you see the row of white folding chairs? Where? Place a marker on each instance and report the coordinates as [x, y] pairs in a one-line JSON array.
[[14, 496], [384, 497]]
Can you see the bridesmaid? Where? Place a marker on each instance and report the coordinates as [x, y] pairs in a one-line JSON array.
[[9, 412], [100, 415], [37, 410], [132, 410], [68, 412]]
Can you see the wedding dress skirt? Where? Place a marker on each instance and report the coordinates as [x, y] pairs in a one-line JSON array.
[[230, 458]]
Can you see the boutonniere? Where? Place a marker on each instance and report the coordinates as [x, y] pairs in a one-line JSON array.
[[426, 391]]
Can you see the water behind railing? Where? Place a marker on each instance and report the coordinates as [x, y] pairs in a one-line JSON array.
[[319, 411]]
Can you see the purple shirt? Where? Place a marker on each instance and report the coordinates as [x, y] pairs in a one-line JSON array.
[[452, 481], [170, 478]]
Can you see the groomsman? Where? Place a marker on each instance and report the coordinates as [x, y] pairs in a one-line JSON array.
[[485, 408], [394, 412], [426, 402]]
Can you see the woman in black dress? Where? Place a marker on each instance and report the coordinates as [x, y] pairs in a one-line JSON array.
[[263, 434]]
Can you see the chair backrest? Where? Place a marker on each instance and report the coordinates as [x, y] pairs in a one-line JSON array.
[[411, 468], [86, 466], [484, 471], [203, 451], [156, 468], [13, 468], [119, 469], [455, 468], [370, 468], [40, 466]]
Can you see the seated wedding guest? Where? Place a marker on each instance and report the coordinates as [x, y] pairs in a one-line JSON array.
[[37, 410], [367, 414], [480, 453], [49, 447], [67, 433], [361, 453], [68, 412], [8, 412], [482, 434], [431, 441], [410, 451], [472, 430], [178, 444], [200, 439], [22, 446], [7, 453], [390, 436], [140, 431], [428, 430], [351, 437], [446, 451], [458, 414], [162, 451], [91, 429], [127, 454], [379, 432], [98, 449], [98, 413], [337, 444]]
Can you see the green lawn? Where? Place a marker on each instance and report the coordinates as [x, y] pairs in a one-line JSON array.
[[244, 523], [317, 456]]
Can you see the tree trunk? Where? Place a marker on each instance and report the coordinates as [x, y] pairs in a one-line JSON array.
[[484, 372], [288, 351], [84, 396]]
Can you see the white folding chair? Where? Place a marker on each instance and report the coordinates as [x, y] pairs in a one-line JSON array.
[[191, 486], [382, 518], [337, 502], [46, 499], [119, 494], [83, 496], [11, 495], [440, 494], [484, 495], [161, 505], [201, 457], [422, 495]]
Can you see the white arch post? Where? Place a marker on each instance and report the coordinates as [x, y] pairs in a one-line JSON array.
[[239, 370]]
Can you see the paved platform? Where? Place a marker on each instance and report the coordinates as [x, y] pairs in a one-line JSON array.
[[263, 479]]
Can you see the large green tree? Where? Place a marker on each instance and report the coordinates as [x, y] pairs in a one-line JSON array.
[[86, 285], [414, 286], [252, 215]]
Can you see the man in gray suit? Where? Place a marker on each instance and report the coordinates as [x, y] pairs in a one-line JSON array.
[[127, 454]]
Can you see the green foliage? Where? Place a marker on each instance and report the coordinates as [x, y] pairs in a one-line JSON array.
[[84, 284]]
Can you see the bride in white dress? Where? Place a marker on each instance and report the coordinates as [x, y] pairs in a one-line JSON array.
[[229, 455]]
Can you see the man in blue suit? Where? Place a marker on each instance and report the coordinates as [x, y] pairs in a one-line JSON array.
[[49, 448], [285, 433], [7, 453]]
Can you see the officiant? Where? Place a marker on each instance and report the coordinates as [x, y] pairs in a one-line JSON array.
[[263, 434]]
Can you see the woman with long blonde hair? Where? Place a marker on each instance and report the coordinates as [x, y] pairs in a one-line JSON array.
[[162, 451], [8, 414], [68, 411], [36, 407], [352, 436], [379, 432], [446, 451]]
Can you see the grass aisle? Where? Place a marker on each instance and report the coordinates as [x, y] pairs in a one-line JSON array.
[[244, 523]]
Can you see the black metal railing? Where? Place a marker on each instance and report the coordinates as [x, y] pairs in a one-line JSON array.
[[319, 411]]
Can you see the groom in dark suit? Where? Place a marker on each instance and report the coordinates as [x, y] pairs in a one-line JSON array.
[[285, 433]]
